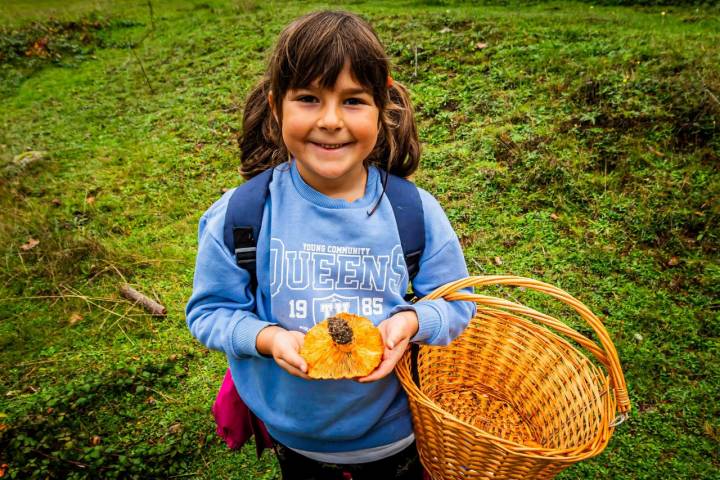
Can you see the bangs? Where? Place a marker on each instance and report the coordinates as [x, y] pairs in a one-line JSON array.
[[317, 47]]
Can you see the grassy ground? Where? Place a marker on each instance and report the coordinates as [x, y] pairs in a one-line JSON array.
[[579, 146]]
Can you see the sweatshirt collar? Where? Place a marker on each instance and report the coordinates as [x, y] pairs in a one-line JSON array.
[[311, 195]]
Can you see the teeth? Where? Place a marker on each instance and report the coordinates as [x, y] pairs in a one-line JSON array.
[[331, 146]]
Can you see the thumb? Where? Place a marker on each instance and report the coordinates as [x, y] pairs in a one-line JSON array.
[[291, 353], [394, 335], [297, 361]]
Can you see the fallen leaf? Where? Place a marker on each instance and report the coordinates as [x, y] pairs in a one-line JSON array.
[[90, 200], [31, 243], [75, 318], [498, 261], [655, 152], [554, 216], [56, 202], [673, 261], [24, 159], [95, 440], [150, 400], [175, 428], [480, 45], [445, 30]]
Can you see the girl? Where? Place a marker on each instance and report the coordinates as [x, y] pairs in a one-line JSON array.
[[332, 124]]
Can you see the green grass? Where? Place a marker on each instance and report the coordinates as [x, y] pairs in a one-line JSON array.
[[580, 147]]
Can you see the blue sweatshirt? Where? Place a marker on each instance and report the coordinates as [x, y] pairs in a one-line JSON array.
[[317, 256]]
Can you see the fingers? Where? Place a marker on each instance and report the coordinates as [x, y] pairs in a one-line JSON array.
[[394, 335], [390, 359], [292, 369], [390, 333], [295, 360], [398, 328], [286, 350]]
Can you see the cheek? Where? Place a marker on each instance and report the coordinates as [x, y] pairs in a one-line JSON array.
[[293, 131], [369, 129]]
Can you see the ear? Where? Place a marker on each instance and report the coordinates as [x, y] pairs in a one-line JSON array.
[[271, 102]]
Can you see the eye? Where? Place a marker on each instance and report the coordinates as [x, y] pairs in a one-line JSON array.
[[307, 99], [355, 101]]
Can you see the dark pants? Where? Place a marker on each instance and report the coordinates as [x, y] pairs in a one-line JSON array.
[[404, 465]]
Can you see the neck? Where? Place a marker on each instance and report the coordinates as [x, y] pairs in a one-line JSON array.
[[349, 187]]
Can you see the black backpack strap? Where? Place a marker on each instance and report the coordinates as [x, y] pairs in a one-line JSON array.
[[243, 219], [407, 207]]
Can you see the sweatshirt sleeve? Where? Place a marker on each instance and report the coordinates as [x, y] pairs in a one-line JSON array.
[[220, 311], [442, 261]]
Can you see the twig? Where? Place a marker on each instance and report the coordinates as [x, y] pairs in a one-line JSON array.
[[164, 395], [121, 317], [126, 335], [56, 297], [57, 459], [477, 264], [712, 95], [152, 19], [87, 300], [150, 305], [37, 362], [147, 80], [415, 74]]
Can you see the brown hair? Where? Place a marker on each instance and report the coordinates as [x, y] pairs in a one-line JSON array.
[[317, 46]]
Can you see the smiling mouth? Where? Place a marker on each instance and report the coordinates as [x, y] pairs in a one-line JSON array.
[[330, 146]]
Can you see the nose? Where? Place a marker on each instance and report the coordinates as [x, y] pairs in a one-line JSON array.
[[330, 117]]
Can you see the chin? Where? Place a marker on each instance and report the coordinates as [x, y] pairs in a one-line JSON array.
[[330, 169]]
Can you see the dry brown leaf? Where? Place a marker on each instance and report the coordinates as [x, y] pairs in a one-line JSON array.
[[656, 152], [175, 428], [554, 216], [75, 318], [31, 243]]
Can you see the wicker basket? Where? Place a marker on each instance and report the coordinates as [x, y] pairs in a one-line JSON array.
[[509, 398]]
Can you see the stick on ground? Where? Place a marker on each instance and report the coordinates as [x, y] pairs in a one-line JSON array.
[[150, 305]]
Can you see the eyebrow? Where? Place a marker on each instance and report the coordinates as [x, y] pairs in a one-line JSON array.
[[355, 91], [347, 91]]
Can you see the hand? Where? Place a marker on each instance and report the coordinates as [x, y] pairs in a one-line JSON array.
[[284, 346], [396, 332]]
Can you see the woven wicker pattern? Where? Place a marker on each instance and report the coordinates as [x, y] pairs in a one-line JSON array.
[[509, 398]]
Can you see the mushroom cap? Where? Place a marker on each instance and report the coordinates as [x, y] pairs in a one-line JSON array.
[[327, 359]]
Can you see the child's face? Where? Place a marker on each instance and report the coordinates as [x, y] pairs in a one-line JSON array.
[[331, 132]]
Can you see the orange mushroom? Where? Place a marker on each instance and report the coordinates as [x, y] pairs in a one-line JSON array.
[[343, 346]]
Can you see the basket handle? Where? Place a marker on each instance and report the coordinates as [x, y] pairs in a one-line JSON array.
[[607, 355]]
